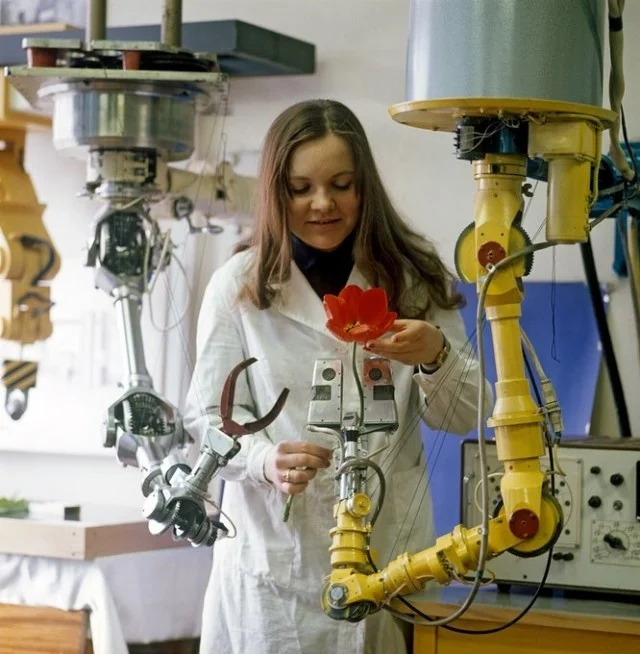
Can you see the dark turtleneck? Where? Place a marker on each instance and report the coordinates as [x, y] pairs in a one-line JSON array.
[[326, 272]]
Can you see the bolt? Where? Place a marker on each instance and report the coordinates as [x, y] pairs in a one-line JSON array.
[[337, 593]]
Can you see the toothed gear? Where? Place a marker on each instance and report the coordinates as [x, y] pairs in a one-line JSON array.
[[466, 257], [526, 242], [190, 522], [467, 232], [123, 244], [143, 414]]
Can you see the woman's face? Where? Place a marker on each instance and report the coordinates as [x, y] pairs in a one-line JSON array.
[[324, 207]]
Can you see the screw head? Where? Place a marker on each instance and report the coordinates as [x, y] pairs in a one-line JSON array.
[[337, 593]]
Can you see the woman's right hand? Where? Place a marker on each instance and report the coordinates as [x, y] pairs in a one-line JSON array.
[[291, 465]]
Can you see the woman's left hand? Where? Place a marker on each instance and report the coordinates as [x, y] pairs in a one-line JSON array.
[[413, 342]]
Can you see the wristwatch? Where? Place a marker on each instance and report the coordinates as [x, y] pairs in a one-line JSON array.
[[430, 368]]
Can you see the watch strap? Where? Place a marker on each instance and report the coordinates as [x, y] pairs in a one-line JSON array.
[[430, 368]]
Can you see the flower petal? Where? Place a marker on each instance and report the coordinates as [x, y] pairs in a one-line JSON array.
[[351, 296], [337, 310], [383, 326], [372, 306], [337, 329]]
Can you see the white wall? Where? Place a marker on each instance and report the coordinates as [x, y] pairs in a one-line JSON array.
[[361, 59]]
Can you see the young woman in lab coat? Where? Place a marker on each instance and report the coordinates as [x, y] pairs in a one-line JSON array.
[[324, 220]]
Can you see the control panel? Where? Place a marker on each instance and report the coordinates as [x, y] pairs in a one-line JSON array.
[[599, 547]]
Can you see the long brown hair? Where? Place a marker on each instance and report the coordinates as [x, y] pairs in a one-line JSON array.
[[384, 243]]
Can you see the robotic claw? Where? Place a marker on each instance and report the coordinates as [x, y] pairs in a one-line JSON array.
[[180, 503]]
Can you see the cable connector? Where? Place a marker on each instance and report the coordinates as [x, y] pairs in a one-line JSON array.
[[552, 409]]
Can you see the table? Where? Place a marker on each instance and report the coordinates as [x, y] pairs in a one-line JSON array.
[[105, 564], [100, 531], [555, 624]]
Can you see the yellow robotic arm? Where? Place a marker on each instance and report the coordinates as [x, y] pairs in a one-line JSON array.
[[504, 113], [530, 519], [28, 263]]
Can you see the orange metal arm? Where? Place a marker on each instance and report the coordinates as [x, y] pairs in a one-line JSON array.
[[28, 261]]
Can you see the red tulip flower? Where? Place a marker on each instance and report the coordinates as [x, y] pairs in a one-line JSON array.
[[358, 316]]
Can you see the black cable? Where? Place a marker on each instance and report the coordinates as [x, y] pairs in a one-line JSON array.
[[543, 581], [32, 242], [625, 135], [589, 264]]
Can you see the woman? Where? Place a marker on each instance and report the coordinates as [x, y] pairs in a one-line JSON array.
[[324, 220]]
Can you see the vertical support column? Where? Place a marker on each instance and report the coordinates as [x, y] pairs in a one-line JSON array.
[[96, 28], [172, 23]]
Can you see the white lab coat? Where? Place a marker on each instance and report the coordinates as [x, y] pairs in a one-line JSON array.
[[266, 584]]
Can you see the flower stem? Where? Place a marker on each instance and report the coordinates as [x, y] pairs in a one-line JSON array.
[[287, 508], [359, 385]]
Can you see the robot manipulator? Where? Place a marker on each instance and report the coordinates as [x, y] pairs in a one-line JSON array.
[[181, 505], [128, 250], [494, 253], [129, 110]]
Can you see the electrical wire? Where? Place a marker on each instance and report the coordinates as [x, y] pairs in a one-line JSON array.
[[492, 270], [432, 622], [617, 87], [150, 285], [209, 500]]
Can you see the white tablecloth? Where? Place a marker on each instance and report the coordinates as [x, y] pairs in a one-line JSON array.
[[133, 598]]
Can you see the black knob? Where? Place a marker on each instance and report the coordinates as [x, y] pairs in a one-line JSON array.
[[557, 556], [615, 542], [616, 479], [594, 501], [568, 556], [595, 470]]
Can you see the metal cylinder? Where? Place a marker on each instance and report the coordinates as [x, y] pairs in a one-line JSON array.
[[171, 33], [124, 116], [129, 307], [96, 29], [533, 49]]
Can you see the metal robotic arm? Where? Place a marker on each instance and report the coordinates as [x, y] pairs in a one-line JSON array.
[[219, 193], [129, 109]]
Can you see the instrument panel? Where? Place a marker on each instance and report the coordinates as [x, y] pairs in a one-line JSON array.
[[599, 547]]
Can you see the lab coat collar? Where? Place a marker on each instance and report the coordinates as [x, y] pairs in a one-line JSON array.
[[298, 301]]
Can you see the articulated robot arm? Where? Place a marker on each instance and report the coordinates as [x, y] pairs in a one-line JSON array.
[[129, 110], [28, 263], [220, 193], [529, 520], [513, 92]]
